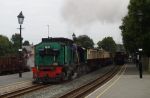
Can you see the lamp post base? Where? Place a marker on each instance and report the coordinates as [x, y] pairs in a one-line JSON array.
[[20, 74]]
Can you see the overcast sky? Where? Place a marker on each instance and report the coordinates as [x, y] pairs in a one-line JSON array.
[[95, 18]]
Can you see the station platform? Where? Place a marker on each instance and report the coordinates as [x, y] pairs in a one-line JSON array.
[[14, 78], [126, 84]]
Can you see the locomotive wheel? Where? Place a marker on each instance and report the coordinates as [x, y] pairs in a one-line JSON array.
[[64, 76], [75, 74]]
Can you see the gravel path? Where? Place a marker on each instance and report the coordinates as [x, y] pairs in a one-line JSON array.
[[59, 89]]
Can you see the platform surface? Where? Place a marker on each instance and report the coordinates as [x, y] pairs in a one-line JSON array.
[[10, 79], [127, 84], [13, 78]]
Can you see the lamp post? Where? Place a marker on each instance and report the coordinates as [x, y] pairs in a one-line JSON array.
[[20, 21], [140, 18], [136, 58], [75, 46], [140, 62]]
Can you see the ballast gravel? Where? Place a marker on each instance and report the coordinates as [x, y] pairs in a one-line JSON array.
[[57, 90]]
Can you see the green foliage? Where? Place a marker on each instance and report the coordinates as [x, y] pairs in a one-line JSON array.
[[16, 42], [26, 43], [136, 28], [84, 41], [16, 39], [11, 47], [107, 44], [146, 44], [5, 45]]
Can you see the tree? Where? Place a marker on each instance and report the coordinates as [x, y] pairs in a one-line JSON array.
[[136, 26], [107, 44], [16, 41], [84, 41], [5, 45], [26, 43]]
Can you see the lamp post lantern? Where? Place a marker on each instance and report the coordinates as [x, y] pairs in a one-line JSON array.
[[20, 21]]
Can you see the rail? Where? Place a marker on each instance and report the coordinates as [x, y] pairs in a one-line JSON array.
[[23, 91], [82, 91]]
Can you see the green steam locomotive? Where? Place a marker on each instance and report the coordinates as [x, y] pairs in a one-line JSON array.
[[59, 59]]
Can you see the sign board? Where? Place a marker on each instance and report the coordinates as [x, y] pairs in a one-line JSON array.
[[20, 50]]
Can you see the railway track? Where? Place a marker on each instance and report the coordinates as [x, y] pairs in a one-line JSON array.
[[82, 91], [19, 92]]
